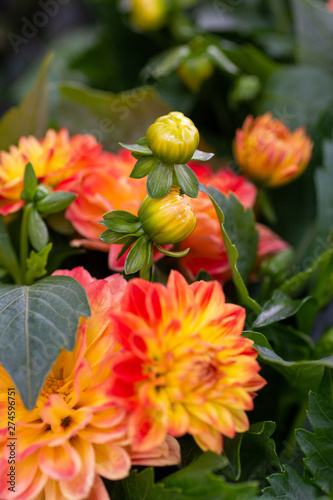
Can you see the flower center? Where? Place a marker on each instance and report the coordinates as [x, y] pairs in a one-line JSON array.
[[51, 386]]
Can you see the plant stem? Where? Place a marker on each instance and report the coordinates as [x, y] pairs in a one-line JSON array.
[[8, 257], [24, 241]]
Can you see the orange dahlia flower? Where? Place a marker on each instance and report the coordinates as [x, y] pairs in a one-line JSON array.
[[207, 249], [54, 158], [269, 153], [101, 190], [77, 431], [186, 368]]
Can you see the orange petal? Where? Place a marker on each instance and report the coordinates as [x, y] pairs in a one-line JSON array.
[[59, 462], [112, 461]]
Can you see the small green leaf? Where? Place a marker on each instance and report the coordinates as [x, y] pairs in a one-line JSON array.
[[318, 445], [187, 180], [279, 307], [145, 270], [37, 321], [201, 156], [121, 215], [143, 166], [37, 230], [169, 253], [126, 245], [29, 183], [140, 486], [137, 256], [159, 180], [42, 191], [55, 202], [122, 226], [137, 148], [109, 236], [36, 264]]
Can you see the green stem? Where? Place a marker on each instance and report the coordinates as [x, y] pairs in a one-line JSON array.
[[24, 240], [8, 257]]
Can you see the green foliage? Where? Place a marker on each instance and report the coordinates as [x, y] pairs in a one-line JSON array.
[[159, 180], [318, 445], [37, 321], [290, 486], [187, 180], [36, 264], [279, 307]]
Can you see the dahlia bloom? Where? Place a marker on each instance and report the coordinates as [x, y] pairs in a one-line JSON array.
[[77, 431], [186, 368], [207, 249], [101, 190], [54, 158], [269, 153]]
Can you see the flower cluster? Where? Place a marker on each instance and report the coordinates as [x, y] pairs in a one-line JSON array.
[[78, 431]]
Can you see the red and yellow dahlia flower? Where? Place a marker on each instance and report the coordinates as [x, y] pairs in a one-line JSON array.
[[54, 158], [185, 366], [269, 153], [207, 249], [78, 431]]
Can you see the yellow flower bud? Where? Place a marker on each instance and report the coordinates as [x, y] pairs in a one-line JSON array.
[[169, 219], [173, 138], [148, 14]]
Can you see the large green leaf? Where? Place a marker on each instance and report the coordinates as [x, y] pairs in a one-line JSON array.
[[112, 118], [279, 307], [318, 445], [251, 454], [313, 24], [197, 481], [304, 375], [290, 486], [31, 116], [250, 241], [37, 321], [141, 486], [298, 95], [324, 189]]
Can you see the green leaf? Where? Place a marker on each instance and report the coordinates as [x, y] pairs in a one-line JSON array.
[[221, 60], [201, 156], [279, 307], [197, 481], [145, 270], [318, 445], [29, 183], [36, 264], [31, 116], [169, 253], [313, 30], [240, 227], [8, 257], [37, 321], [111, 117], [55, 202], [126, 245], [231, 251], [187, 180], [299, 95], [289, 486], [109, 236], [143, 166], [159, 180], [251, 454], [121, 215], [296, 283], [140, 486], [303, 375], [137, 148], [37, 230], [137, 256], [324, 191], [120, 225]]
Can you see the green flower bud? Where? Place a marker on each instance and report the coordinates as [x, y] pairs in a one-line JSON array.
[[169, 219], [173, 138]]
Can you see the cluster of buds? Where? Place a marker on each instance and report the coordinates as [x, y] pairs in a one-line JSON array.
[[164, 216]]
